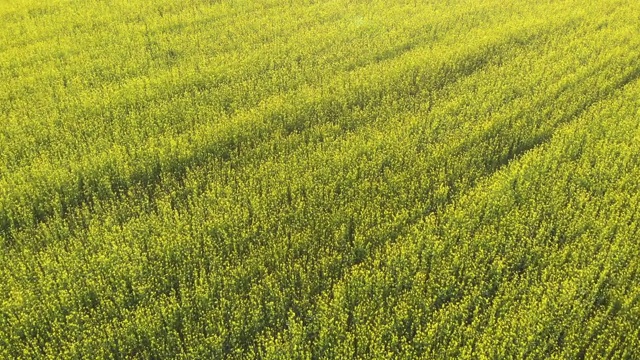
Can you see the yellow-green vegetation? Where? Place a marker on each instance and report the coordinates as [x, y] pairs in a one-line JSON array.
[[319, 179]]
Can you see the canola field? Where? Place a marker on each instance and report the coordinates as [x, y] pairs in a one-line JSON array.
[[328, 179]]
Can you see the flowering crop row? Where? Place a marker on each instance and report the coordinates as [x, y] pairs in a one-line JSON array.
[[319, 179]]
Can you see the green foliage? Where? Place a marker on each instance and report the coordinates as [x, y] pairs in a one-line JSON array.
[[319, 179]]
